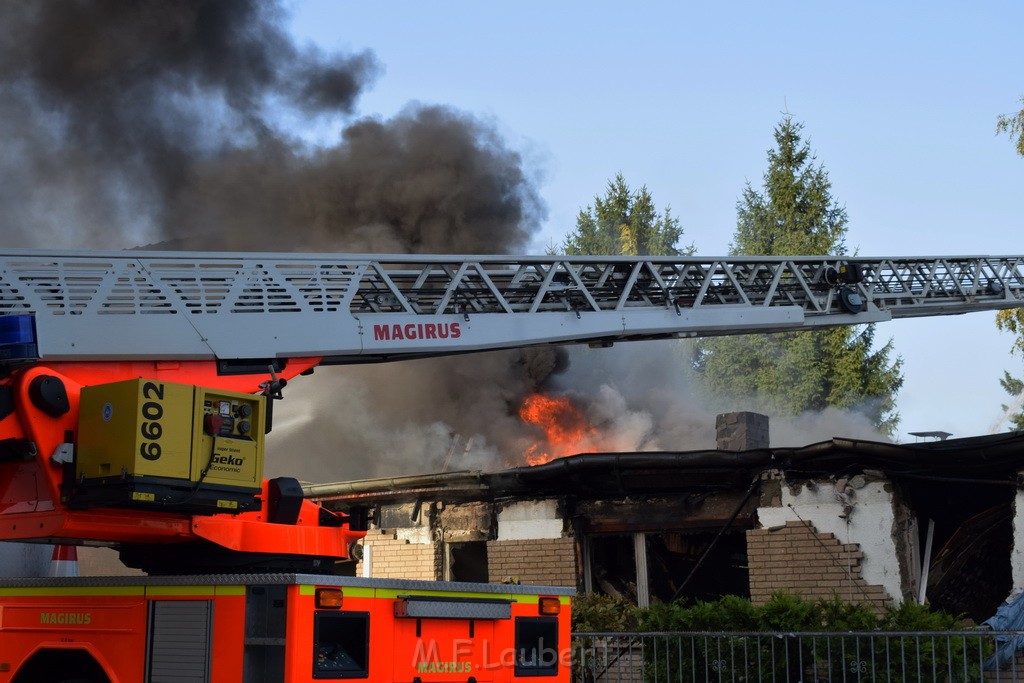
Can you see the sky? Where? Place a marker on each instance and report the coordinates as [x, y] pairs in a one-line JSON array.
[[899, 103]]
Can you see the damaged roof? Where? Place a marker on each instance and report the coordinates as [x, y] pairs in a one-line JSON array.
[[995, 459]]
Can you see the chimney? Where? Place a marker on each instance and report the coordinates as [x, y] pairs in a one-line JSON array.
[[741, 431]]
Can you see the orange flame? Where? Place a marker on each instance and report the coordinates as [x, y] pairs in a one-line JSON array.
[[566, 429]]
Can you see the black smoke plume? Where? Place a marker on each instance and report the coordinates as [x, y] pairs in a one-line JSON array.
[[112, 109], [157, 123]]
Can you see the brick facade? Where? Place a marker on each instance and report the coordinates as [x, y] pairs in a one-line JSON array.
[[395, 558], [545, 561], [796, 558]]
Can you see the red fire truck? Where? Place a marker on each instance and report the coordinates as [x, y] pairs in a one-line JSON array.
[[137, 388]]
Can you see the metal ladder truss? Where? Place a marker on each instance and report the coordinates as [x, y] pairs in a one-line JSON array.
[[247, 305]]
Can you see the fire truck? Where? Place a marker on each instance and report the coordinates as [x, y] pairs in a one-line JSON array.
[[137, 388]]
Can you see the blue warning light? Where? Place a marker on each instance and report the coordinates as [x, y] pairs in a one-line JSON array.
[[18, 338]]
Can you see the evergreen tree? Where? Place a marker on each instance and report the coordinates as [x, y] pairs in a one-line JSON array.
[[625, 222], [1015, 388], [1013, 320], [793, 372]]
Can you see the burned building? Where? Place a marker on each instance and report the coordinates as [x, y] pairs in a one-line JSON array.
[[865, 521]]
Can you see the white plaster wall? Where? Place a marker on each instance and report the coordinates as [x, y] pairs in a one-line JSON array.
[[418, 532], [1017, 554], [415, 534], [870, 524], [528, 519]]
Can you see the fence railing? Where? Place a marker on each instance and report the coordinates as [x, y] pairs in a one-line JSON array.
[[805, 657]]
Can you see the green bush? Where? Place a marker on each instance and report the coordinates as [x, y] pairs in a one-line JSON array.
[[602, 613], [780, 656], [911, 616], [728, 613], [783, 612], [786, 612]]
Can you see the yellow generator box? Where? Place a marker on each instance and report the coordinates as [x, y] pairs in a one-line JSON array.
[[171, 445], [227, 438]]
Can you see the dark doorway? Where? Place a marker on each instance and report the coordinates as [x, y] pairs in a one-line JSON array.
[[671, 558], [969, 570], [468, 561]]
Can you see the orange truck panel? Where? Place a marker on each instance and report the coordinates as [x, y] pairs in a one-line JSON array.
[[287, 628]]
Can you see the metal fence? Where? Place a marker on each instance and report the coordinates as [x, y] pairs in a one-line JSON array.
[[808, 657]]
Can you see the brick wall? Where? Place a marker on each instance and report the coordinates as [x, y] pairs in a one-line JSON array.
[[547, 561], [796, 558], [395, 558]]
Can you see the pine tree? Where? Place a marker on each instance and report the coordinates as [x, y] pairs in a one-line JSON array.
[[1013, 320], [1015, 388], [793, 372], [625, 222]]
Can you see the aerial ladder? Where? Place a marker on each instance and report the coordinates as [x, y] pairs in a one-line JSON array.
[[249, 322], [137, 388]]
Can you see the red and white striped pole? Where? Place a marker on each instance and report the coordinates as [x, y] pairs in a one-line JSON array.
[[64, 562]]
